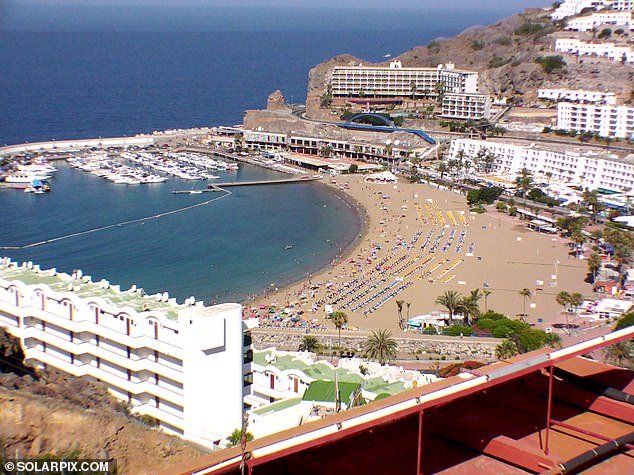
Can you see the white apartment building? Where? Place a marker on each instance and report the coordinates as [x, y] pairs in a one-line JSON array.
[[623, 5], [612, 51], [577, 95], [587, 170], [184, 365], [466, 106], [574, 7], [588, 23], [396, 81], [604, 120]]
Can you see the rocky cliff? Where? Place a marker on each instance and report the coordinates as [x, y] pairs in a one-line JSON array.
[[51, 413], [505, 54]]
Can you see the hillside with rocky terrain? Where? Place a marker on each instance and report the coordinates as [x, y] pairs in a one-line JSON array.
[[51, 413], [505, 54]]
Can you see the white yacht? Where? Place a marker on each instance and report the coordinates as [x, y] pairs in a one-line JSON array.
[[25, 177]]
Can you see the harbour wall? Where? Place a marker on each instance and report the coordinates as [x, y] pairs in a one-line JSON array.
[[421, 347], [69, 144]]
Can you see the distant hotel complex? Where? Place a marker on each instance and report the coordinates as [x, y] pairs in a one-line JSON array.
[[574, 7], [458, 88], [584, 170], [185, 365], [603, 120]]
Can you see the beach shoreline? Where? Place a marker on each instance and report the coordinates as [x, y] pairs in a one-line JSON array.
[[505, 253]]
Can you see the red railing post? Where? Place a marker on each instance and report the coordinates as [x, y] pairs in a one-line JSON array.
[[550, 407], [420, 441]]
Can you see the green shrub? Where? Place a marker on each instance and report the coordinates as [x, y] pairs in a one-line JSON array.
[[148, 420], [501, 206], [503, 40], [477, 45], [498, 62], [485, 194], [529, 29], [457, 330], [551, 63], [626, 320]]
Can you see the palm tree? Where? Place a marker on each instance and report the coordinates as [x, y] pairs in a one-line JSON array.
[[592, 201], [476, 295], [486, 293], [526, 294], [381, 346], [469, 306], [524, 181], [443, 168], [451, 300], [399, 305], [576, 300], [563, 299], [506, 349], [339, 319], [236, 437], [310, 344], [594, 264], [578, 238]]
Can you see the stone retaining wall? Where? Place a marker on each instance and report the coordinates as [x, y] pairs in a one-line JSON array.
[[409, 348]]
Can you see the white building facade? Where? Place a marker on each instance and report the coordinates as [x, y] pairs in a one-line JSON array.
[[397, 81], [623, 5], [588, 23], [577, 95], [466, 106], [611, 51], [604, 120], [574, 7], [587, 170], [185, 365]]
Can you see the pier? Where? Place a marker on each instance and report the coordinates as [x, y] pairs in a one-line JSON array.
[[221, 186]]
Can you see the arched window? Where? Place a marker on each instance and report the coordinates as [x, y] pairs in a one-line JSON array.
[[96, 310], [126, 318]]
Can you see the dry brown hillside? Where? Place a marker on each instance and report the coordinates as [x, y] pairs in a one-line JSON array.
[[51, 413], [505, 55]]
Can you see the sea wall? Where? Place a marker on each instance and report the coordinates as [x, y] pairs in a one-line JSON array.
[[66, 144], [410, 347]]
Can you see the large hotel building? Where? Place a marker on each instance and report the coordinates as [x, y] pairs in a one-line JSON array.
[[397, 81], [186, 365], [587, 170], [605, 120], [459, 88]]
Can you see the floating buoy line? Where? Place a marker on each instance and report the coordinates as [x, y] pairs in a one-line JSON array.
[[115, 225]]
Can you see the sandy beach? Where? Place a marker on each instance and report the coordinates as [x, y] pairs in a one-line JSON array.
[[420, 241]]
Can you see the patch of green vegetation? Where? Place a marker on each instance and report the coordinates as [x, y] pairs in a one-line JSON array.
[[503, 40], [529, 29], [551, 63], [498, 62], [485, 194]]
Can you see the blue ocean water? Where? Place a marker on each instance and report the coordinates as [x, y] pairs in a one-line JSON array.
[[81, 73]]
